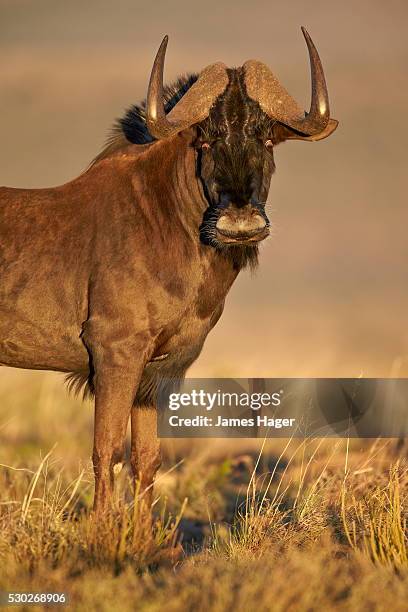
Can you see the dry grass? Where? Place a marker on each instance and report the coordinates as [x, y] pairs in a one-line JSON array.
[[284, 525], [376, 522]]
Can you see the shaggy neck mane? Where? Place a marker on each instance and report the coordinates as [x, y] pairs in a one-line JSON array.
[[132, 128]]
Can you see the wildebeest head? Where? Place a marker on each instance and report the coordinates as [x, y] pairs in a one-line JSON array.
[[239, 115]]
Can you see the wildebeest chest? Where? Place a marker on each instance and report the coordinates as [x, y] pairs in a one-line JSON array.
[[171, 295], [173, 306]]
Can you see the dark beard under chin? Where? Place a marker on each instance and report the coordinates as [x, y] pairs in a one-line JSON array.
[[241, 256]]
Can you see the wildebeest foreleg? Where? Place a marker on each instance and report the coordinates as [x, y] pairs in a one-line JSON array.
[[114, 394], [118, 361], [145, 451], [112, 410]]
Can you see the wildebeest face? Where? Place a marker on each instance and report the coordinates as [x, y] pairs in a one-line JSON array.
[[236, 177], [240, 114], [235, 165]]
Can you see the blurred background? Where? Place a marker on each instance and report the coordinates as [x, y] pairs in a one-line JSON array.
[[330, 296]]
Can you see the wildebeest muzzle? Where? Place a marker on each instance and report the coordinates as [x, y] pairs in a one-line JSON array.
[[241, 225]]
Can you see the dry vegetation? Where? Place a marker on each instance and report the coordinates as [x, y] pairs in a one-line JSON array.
[[284, 525]]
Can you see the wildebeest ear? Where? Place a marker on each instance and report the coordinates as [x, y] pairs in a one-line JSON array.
[[329, 129]]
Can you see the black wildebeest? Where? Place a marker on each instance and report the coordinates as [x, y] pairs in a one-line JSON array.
[[117, 277]]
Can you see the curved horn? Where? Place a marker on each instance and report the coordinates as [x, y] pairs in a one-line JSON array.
[[319, 114], [156, 120], [276, 102], [192, 108]]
